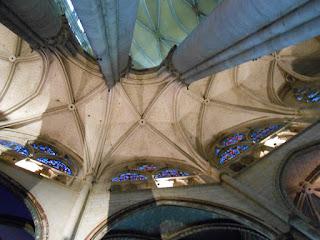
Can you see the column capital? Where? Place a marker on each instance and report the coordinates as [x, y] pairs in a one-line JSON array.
[[62, 36]]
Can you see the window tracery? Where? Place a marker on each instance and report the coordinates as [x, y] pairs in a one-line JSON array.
[[57, 164], [232, 152], [140, 172], [129, 176], [44, 149], [300, 92], [235, 144], [146, 167], [244, 145], [38, 157], [170, 172], [307, 199], [151, 176], [233, 139], [307, 94], [20, 149], [301, 192], [259, 134]]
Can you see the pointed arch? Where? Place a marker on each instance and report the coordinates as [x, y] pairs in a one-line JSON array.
[[241, 146], [301, 193], [226, 214], [41, 157], [39, 230]]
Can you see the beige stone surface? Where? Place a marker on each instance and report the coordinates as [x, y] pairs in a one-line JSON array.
[[152, 116]]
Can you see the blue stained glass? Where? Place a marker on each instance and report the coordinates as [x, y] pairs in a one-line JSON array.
[[233, 139], [232, 152], [146, 168], [259, 134], [307, 94], [57, 164], [172, 172], [15, 147], [44, 149], [217, 150], [129, 176]]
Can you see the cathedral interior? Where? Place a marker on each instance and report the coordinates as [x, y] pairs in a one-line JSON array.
[[159, 119]]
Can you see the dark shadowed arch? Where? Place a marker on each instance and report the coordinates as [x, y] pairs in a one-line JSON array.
[[228, 216], [30, 217]]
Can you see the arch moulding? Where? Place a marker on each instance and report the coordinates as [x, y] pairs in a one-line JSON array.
[[248, 220]]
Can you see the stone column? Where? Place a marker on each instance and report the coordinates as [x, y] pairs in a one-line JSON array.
[[74, 218], [35, 20], [238, 31], [109, 26]]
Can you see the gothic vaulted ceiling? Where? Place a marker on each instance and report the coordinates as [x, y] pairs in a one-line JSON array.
[[161, 24], [45, 95]]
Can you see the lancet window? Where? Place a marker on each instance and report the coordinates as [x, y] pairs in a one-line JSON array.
[[20, 149], [243, 145], [151, 176], [307, 94], [236, 144], [38, 157], [146, 168], [42, 148], [170, 172], [300, 92], [129, 176], [258, 134], [57, 164]]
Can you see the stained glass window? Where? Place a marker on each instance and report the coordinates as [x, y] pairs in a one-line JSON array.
[[171, 172], [233, 139], [57, 164], [307, 94], [261, 133], [231, 153], [233, 145], [129, 176], [15, 147], [217, 151], [44, 149], [146, 168]]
